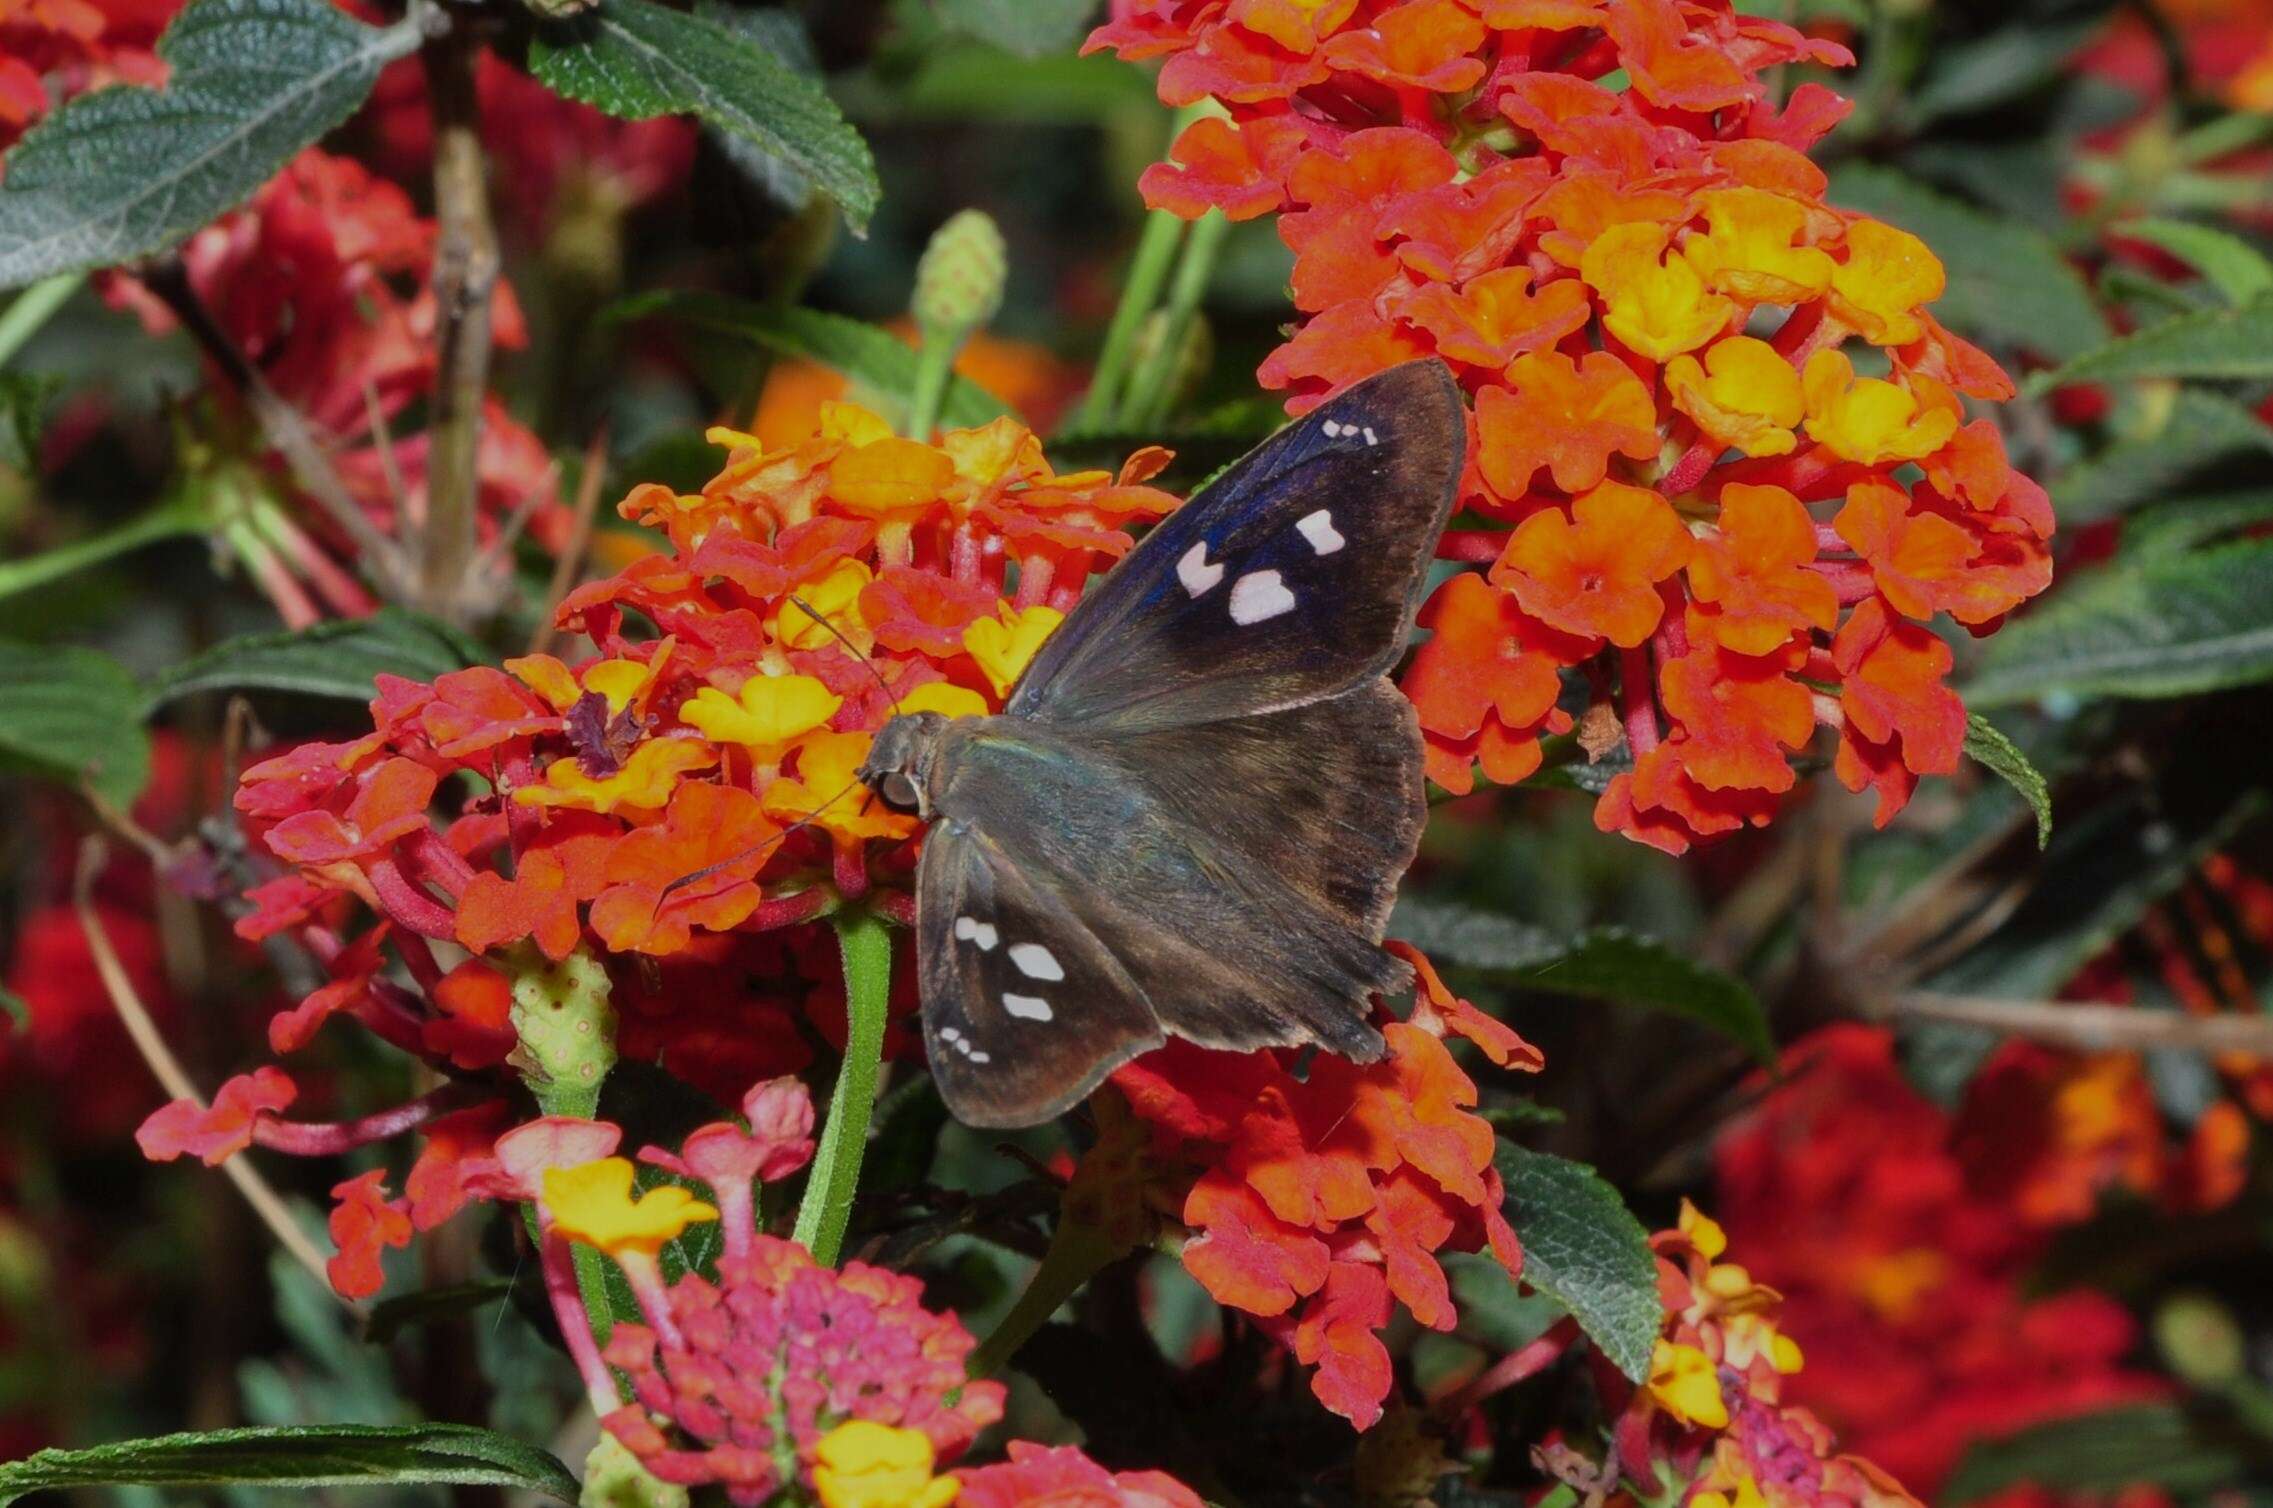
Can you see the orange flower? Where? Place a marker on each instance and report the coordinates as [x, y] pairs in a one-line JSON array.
[[1568, 416], [1596, 571], [1750, 574], [1497, 317]]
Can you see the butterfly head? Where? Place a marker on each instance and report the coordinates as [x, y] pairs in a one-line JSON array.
[[898, 767]]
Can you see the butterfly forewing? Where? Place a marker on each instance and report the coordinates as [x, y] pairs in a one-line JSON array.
[[1293, 577], [1024, 1011]]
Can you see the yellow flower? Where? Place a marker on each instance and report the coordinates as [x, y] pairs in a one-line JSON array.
[[646, 780], [1658, 308], [1745, 1336], [1887, 275], [862, 1464], [1744, 395], [619, 681], [836, 597], [945, 698], [995, 450], [889, 476], [1749, 249], [1747, 1496], [770, 712], [1872, 421], [1006, 644], [852, 425], [1703, 1231], [592, 1203], [1685, 1383], [827, 789]]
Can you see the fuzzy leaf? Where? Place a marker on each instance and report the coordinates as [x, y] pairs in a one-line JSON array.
[[2233, 266], [2152, 623], [1584, 1248], [1023, 28], [2181, 435], [1994, 752], [2234, 343], [872, 358], [323, 1455], [2162, 1444], [2008, 284], [127, 172], [331, 660], [73, 714], [636, 60]]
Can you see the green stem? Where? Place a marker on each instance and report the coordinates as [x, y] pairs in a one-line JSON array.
[[169, 521], [1148, 271], [1078, 1252], [827, 1210], [33, 308], [1153, 388], [935, 368]]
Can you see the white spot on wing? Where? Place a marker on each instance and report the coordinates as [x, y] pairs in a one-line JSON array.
[[1319, 529], [1036, 962], [1370, 437], [976, 1057], [1027, 1007], [971, 929], [1195, 572], [1330, 429], [1259, 595]]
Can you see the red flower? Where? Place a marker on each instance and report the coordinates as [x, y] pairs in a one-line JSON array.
[[1038, 1476]]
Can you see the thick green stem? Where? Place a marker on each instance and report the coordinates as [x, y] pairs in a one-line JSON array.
[[1153, 388], [169, 521], [567, 1027], [1148, 271], [32, 308], [935, 367], [827, 1210], [1078, 1252]]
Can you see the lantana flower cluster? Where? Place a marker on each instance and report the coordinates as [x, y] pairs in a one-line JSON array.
[[1721, 473], [652, 828], [1319, 1203], [1713, 1411]]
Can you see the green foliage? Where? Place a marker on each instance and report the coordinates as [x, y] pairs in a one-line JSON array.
[[1608, 963], [2008, 284], [636, 60], [2172, 435], [24, 401], [1994, 752], [391, 1317], [337, 660], [1024, 28], [1584, 1248], [2234, 267], [872, 358], [126, 172], [2234, 343], [339, 1455], [73, 714], [2160, 1444], [16, 1009]]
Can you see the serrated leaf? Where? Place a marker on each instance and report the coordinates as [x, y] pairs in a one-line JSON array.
[[636, 60], [2235, 343], [336, 660], [73, 714], [873, 358], [128, 172], [2182, 434], [1994, 752], [1585, 1249], [2008, 284], [2151, 623], [2163, 1444], [1023, 28], [2233, 266], [335, 1455]]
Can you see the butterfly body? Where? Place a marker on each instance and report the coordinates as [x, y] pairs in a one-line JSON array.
[[1192, 815]]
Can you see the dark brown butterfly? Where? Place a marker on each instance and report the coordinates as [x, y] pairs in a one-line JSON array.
[[1192, 814]]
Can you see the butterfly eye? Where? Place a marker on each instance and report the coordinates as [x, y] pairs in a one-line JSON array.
[[900, 793]]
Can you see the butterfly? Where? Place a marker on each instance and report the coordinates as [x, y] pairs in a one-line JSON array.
[[1191, 816]]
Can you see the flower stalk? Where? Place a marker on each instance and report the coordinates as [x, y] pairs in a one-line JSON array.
[[827, 1210]]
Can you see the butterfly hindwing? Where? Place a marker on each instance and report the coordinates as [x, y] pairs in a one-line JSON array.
[[1024, 1011], [1292, 577]]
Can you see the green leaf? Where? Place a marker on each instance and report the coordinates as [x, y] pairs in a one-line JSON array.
[[17, 1009], [1608, 963], [175, 519], [636, 60], [25, 398], [2234, 343], [73, 714], [2008, 284], [1989, 70], [391, 1317], [324, 1455], [1023, 28], [2151, 623], [873, 358], [336, 660], [2237, 269], [128, 172], [1994, 752], [1585, 1249], [2163, 1444], [2178, 434]]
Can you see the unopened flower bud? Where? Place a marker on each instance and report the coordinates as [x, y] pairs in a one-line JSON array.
[[960, 280], [567, 1031]]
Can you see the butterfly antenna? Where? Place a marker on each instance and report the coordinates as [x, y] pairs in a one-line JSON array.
[[704, 873], [852, 649]]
